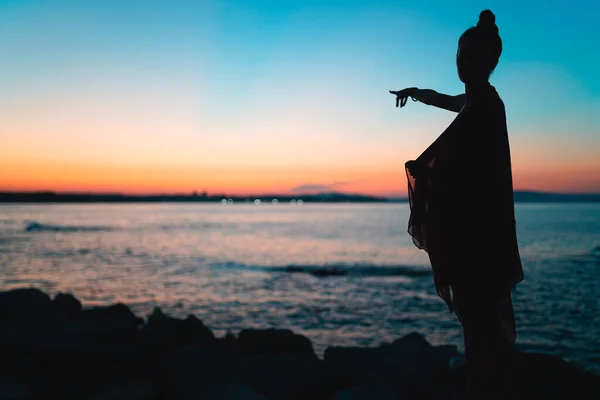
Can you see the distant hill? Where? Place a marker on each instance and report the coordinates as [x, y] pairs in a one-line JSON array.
[[52, 197], [541, 197], [525, 196]]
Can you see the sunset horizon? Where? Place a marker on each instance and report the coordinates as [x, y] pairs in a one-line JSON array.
[[250, 194], [174, 183]]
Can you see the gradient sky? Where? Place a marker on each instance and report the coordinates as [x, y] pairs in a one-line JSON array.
[[254, 96]]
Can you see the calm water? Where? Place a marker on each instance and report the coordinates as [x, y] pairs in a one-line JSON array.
[[229, 265]]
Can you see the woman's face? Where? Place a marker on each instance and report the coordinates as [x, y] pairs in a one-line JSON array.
[[469, 63], [462, 64]]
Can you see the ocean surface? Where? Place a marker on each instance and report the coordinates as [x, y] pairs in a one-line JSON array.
[[238, 266]]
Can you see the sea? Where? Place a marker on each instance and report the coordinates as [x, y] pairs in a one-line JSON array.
[[341, 274]]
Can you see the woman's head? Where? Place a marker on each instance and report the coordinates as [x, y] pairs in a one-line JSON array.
[[479, 50]]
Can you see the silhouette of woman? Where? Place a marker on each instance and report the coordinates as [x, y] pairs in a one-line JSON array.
[[462, 209]]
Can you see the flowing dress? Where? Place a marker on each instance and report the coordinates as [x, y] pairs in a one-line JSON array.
[[462, 215]]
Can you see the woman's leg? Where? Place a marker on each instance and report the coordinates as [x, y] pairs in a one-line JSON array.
[[488, 326]]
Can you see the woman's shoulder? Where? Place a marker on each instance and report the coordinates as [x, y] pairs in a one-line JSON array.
[[495, 100], [489, 106]]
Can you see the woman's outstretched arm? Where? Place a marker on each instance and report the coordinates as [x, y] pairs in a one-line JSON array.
[[431, 98]]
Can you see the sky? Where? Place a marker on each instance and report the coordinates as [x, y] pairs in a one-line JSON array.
[[281, 96]]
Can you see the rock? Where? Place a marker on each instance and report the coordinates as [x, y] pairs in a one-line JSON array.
[[273, 341], [190, 369], [31, 344], [229, 341], [375, 391], [281, 377], [412, 341], [28, 308], [156, 317], [112, 325], [54, 349], [115, 312], [420, 367], [55, 341], [14, 390], [99, 348], [534, 376], [68, 305], [87, 379], [164, 333], [35, 355], [141, 389], [543, 376], [228, 391], [193, 331]]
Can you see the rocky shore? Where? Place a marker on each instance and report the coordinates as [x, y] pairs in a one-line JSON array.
[[57, 349]]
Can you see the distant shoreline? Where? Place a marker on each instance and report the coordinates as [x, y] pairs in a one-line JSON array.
[[53, 197]]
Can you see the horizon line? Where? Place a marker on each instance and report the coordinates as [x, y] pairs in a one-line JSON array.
[[205, 193]]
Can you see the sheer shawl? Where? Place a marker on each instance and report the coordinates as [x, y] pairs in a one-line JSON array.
[[461, 201]]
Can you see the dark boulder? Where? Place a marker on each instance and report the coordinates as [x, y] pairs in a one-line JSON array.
[[227, 391], [273, 341], [410, 361], [27, 308], [68, 305], [163, 333], [543, 376], [283, 376], [190, 369]]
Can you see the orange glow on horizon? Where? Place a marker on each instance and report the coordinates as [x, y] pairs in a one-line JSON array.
[[216, 180], [381, 180]]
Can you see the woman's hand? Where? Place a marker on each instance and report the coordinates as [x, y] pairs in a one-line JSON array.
[[403, 95]]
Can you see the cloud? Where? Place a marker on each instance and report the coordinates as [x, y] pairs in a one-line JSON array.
[[318, 187]]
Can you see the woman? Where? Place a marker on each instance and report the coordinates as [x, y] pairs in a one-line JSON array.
[[462, 210]]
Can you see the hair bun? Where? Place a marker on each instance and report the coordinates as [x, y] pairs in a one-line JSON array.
[[487, 21]]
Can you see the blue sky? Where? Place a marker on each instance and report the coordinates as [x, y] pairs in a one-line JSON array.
[[256, 91]]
